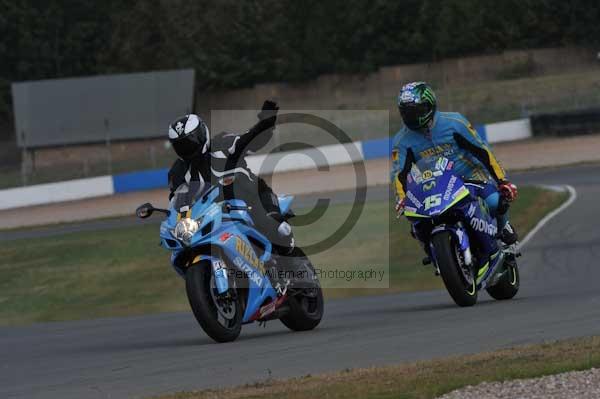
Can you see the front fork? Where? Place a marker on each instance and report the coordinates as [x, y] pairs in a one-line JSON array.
[[484, 275], [460, 234], [220, 273], [219, 269]]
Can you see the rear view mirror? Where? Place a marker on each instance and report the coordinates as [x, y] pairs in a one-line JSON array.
[[144, 211]]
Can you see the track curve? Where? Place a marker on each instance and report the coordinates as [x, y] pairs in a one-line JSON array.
[[149, 355]]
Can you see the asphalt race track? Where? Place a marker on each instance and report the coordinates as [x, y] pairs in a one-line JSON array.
[[149, 355]]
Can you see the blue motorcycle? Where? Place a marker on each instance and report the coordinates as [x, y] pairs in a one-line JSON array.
[[459, 234], [224, 260]]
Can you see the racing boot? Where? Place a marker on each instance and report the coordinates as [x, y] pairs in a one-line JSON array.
[[277, 277], [509, 238], [508, 235], [283, 246]]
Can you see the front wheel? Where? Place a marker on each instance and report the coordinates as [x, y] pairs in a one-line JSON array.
[[220, 317], [306, 302], [458, 277], [508, 285]]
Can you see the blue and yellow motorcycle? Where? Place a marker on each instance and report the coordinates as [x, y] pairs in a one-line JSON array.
[[459, 233], [225, 260]]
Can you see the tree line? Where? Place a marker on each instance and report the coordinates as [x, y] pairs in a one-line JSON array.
[[232, 43]]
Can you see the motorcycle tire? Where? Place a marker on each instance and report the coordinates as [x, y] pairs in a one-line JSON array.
[[305, 307], [463, 292], [508, 285], [209, 314]]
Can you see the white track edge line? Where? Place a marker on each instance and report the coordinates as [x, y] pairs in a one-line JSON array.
[[549, 216]]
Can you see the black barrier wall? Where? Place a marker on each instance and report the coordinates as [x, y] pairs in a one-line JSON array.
[[571, 123]]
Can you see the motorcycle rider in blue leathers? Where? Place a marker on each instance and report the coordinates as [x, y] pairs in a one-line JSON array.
[[427, 133]]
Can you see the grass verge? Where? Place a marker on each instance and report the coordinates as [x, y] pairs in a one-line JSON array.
[[423, 380], [124, 272]]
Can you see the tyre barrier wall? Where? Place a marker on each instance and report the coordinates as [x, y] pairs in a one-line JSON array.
[[331, 155], [571, 123]]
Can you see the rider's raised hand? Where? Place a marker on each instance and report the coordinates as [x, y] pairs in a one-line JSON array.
[[508, 191], [270, 105], [269, 110]]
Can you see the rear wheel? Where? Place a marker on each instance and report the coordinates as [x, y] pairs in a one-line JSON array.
[[458, 277], [220, 317], [508, 285], [306, 301]]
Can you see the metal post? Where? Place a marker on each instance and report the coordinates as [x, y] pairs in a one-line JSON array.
[[153, 156], [24, 158], [32, 154], [109, 153]]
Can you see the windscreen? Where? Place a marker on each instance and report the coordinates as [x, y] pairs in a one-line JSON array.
[[427, 168], [187, 194]]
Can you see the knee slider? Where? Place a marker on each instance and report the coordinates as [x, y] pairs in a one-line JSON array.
[[284, 229]]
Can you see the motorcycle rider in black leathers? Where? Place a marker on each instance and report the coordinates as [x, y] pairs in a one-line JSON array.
[[220, 160]]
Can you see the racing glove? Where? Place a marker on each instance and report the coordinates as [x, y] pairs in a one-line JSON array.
[[400, 204], [268, 114], [508, 191]]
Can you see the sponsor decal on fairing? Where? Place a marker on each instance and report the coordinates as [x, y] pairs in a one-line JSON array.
[[248, 253], [414, 199], [483, 226], [252, 274], [450, 188]]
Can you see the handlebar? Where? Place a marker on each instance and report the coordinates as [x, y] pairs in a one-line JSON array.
[[230, 207], [474, 181]]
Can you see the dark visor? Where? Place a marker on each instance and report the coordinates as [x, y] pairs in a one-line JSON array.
[[187, 146], [411, 113]]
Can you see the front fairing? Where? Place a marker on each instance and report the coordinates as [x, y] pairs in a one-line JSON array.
[[242, 250], [204, 210], [432, 189], [217, 222]]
